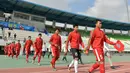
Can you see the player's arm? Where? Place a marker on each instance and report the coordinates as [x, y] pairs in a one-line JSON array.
[[31, 43], [67, 42], [35, 43], [60, 44], [91, 38], [108, 41], [81, 42], [51, 39], [20, 46]]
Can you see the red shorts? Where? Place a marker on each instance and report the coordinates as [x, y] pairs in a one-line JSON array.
[[18, 51], [38, 52], [56, 53], [27, 51], [99, 54]]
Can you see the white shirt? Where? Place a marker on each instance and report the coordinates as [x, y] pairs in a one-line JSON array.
[[32, 48], [49, 48], [7, 15], [63, 48], [44, 48]]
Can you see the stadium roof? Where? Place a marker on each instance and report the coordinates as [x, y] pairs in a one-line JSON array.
[[58, 15]]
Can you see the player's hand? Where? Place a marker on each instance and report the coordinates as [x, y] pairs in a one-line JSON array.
[[87, 52], [56, 45]]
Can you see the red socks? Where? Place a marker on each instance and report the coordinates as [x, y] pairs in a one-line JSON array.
[[39, 58], [95, 66], [27, 58], [102, 68], [53, 61]]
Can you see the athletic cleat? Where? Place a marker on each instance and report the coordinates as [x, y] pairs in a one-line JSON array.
[[33, 61], [69, 69], [112, 67], [16, 58], [39, 64], [54, 69], [52, 65]]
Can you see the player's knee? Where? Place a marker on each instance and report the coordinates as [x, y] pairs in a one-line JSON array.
[[98, 62], [101, 62]]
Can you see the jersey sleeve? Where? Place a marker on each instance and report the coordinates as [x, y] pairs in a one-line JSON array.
[[60, 43], [81, 42], [51, 39], [108, 41]]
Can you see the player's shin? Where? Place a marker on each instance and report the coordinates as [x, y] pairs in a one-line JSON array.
[[76, 65], [102, 68], [95, 66]]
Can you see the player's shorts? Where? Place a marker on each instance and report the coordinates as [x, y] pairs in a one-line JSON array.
[[27, 52], [75, 53], [38, 52], [55, 53], [99, 54]]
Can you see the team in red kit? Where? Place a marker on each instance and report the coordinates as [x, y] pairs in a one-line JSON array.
[[27, 47], [74, 40], [38, 48], [55, 42]]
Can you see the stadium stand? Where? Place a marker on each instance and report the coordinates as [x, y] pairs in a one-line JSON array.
[[35, 15], [21, 34]]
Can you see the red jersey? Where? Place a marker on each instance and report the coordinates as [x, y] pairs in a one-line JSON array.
[[6, 48], [55, 39], [98, 38], [38, 43], [9, 47], [75, 40], [28, 44], [12, 46], [17, 46]]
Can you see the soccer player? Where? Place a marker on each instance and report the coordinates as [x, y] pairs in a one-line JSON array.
[[27, 47], [12, 49], [38, 48], [9, 49], [6, 49], [17, 48], [55, 42], [107, 53], [75, 41], [96, 40]]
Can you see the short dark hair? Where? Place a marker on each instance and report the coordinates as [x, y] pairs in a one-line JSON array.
[[98, 20], [75, 25], [29, 36], [57, 29], [13, 42], [39, 34], [18, 40]]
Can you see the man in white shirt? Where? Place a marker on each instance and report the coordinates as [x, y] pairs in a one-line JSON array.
[[49, 51], [107, 53], [7, 16], [64, 50], [44, 49]]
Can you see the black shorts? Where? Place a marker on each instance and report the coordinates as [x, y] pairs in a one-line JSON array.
[[75, 53]]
